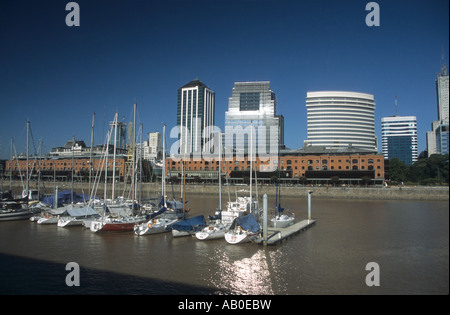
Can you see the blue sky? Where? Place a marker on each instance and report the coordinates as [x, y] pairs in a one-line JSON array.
[[125, 51]]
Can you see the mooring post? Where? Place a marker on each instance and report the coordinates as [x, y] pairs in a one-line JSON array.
[[265, 220], [309, 204]]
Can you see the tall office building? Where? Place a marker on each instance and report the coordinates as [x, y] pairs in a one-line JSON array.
[[253, 104], [341, 119], [399, 138], [438, 137], [195, 113]]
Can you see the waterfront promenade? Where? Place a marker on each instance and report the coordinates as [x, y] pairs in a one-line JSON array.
[[150, 190]]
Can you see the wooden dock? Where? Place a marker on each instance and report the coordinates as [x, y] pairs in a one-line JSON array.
[[278, 235]]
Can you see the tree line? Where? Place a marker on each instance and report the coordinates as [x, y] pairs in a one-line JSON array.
[[432, 170]]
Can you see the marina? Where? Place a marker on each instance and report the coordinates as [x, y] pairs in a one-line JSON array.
[[409, 240]]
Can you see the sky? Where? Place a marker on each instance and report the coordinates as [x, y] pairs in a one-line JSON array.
[[142, 51]]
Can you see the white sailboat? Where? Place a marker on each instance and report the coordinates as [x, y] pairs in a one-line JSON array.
[[280, 220], [217, 228], [244, 229], [159, 221]]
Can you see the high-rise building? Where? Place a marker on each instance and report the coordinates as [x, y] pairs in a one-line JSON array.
[[341, 119], [437, 138], [195, 113], [253, 104], [399, 138]]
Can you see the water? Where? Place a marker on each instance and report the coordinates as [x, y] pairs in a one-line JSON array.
[[408, 240]]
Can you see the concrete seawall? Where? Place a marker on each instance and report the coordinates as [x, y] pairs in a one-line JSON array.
[[360, 193]]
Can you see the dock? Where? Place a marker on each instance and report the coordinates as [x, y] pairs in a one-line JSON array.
[[278, 235], [273, 236]]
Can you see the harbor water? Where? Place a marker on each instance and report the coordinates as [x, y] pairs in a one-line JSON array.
[[408, 240]]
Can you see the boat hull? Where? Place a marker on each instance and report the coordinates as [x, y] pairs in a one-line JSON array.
[[178, 233], [240, 238], [282, 222], [16, 215], [47, 221], [204, 236], [153, 228]]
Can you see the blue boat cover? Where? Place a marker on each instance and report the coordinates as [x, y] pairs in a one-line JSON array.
[[154, 215], [248, 223], [190, 224], [64, 197]]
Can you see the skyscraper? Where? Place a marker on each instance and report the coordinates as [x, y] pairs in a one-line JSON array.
[[341, 119], [438, 137], [399, 138], [253, 104], [195, 113]]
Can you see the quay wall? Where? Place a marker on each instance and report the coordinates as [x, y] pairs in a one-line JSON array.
[[358, 193]]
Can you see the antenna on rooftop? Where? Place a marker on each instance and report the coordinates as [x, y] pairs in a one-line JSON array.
[[396, 107]]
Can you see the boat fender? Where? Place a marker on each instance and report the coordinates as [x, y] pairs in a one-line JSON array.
[[149, 225]]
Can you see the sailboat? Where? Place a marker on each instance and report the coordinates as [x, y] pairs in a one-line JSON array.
[[217, 228], [188, 226], [244, 229], [280, 220], [159, 221], [113, 222], [19, 209]]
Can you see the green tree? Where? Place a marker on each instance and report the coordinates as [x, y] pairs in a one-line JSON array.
[[398, 171]]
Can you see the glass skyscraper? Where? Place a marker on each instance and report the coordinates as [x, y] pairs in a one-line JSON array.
[[253, 104], [195, 113], [399, 138], [437, 138]]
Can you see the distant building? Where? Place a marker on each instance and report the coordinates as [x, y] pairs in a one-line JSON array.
[[438, 137], [399, 138], [253, 104], [310, 165], [152, 149], [341, 119], [195, 113]]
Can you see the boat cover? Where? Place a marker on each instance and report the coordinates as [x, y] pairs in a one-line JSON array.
[[176, 205], [153, 215], [216, 217], [247, 223], [64, 197], [189, 224], [280, 209], [81, 212]]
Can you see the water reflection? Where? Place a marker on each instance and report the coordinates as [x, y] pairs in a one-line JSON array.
[[244, 275]]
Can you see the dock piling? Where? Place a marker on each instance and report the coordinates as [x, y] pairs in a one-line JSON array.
[[265, 219]]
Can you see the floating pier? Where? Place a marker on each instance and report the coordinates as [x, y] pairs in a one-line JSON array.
[[274, 236]]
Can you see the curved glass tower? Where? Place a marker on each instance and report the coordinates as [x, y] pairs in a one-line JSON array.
[[341, 119]]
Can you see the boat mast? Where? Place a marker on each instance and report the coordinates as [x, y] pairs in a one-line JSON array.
[[220, 171], [164, 167], [10, 165], [133, 182], [28, 163], [140, 165], [114, 157], [73, 165], [251, 166], [90, 154]]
